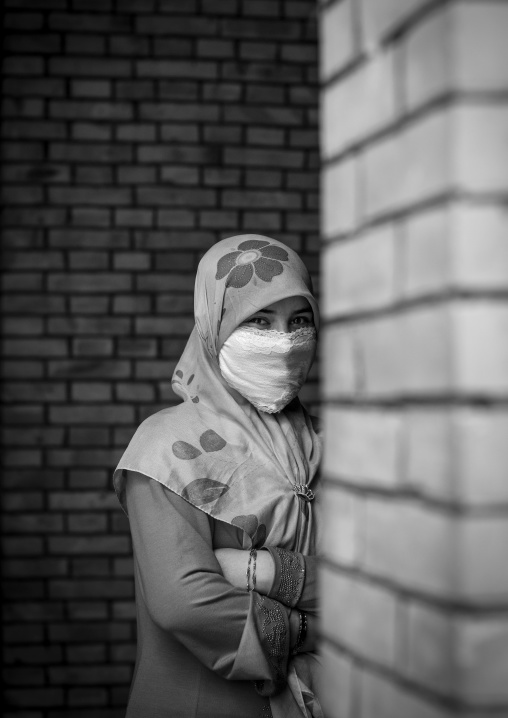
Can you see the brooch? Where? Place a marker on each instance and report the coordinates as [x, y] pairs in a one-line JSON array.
[[303, 491]]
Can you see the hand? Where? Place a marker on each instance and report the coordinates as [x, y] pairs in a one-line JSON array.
[[233, 563]]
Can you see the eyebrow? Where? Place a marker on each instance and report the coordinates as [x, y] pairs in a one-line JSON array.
[[272, 311]]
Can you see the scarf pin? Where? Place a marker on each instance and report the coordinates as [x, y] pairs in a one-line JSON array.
[[303, 491]]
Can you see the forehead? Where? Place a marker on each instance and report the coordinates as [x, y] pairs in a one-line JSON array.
[[288, 305]]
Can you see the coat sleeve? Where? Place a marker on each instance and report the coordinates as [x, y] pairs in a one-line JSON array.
[[237, 634], [295, 579]]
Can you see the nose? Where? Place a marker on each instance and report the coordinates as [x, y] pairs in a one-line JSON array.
[[281, 324]]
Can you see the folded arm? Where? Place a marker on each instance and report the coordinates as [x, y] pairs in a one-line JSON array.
[[240, 635]]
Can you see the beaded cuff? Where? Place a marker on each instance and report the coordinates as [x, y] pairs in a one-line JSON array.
[[289, 576], [275, 642]]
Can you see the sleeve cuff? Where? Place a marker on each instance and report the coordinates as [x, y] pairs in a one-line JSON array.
[[289, 576]]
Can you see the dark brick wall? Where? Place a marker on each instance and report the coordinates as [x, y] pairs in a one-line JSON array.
[[137, 134]]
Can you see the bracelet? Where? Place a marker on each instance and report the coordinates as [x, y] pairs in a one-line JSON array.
[[302, 632], [252, 557]]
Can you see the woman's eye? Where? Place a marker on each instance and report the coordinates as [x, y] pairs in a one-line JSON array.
[[302, 320], [261, 321]]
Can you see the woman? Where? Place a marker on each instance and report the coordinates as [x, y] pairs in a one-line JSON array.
[[226, 628]]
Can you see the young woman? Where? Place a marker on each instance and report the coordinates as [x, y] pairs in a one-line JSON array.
[[219, 492]]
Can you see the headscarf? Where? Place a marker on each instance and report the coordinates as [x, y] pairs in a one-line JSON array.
[[216, 450]]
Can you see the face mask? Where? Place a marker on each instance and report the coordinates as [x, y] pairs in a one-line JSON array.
[[267, 367]]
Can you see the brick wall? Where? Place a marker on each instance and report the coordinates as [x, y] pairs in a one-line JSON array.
[[415, 264], [137, 134]]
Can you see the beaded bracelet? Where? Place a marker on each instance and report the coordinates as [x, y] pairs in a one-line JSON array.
[[252, 557], [302, 632]]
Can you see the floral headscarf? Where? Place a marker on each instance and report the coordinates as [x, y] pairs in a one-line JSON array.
[[215, 449]]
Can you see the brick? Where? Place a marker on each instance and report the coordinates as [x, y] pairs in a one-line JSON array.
[[482, 456], [438, 57], [181, 112], [90, 368], [177, 68], [85, 653], [254, 29], [223, 134], [368, 627], [182, 197], [88, 67], [77, 414], [90, 195], [133, 218], [89, 131], [482, 542], [428, 653], [265, 51], [94, 175], [35, 391], [92, 347], [26, 129], [164, 325], [263, 178], [91, 88], [220, 219], [385, 699], [33, 523], [481, 347], [423, 146], [482, 656], [84, 45], [89, 545], [89, 436], [409, 354], [32, 44], [180, 132], [90, 391], [266, 221], [87, 304], [96, 153], [136, 175], [245, 114], [419, 555], [360, 274], [481, 155], [35, 697], [340, 197], [86, 588], [260, 199], [88, 696], [265, 136], [367, 453], [341, 521], [158, 25], [81, 282], [336, 683], [215, 48], [23, 21], [91, 217], [129, 45], [176, 175], [88, 22], [337, 45], [23, 65], [359, 105], [178, 47], [382, 17]]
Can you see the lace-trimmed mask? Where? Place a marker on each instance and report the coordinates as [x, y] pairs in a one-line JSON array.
[[267, 367]]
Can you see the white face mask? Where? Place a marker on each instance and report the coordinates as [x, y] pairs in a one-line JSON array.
[[268, 367]]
